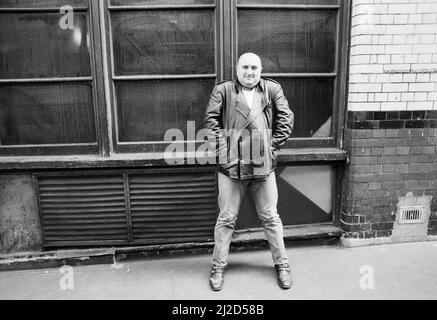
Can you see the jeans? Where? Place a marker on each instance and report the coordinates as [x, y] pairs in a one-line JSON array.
[[265, 194]]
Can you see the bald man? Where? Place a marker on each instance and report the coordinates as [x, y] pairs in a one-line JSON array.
[[250, 119]]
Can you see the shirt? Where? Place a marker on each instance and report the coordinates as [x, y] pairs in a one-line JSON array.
[[250, 96]]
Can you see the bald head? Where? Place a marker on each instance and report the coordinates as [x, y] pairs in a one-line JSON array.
[[249, 70], [249, 57]]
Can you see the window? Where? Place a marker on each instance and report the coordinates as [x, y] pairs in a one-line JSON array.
[[129, 70], [297, 41], [47, 86], [164, 67]]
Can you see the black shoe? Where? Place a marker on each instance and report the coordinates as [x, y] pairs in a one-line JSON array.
[[283, 274], [216, 278]]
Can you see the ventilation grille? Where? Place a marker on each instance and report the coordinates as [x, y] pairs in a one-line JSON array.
[[411, 214], [173, 208], [82, 209], [127, 208]]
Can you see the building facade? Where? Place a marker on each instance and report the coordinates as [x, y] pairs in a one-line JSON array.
[[89, 92]]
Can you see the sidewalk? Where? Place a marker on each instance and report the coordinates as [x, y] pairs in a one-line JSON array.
[[401, 271]]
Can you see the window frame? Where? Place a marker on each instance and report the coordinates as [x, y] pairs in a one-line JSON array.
[[100, 146], [154, 146], [339, 73]]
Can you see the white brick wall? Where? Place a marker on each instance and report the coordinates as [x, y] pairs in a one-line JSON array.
[[393, 58]]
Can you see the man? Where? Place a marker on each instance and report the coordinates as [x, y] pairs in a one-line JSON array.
[[250, 119]]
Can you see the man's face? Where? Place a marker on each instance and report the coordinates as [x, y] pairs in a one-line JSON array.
[[249, 70]]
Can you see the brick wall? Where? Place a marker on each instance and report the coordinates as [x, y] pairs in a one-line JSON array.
[[391, 133], [393, 58]]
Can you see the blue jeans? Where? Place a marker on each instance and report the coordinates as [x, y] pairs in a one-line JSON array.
[[265, 195]]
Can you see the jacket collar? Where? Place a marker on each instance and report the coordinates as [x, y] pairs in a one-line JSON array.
[[258, 108]]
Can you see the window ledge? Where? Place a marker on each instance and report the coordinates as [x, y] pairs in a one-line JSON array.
[[152, 159]]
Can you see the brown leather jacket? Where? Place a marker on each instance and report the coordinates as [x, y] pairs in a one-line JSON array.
[[248, 140]]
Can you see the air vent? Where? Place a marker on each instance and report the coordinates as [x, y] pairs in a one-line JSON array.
[[411, 214], [141, 207], [172, 208], [82, 209]]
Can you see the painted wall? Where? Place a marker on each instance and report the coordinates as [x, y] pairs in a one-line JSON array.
[[19, 222], [393, 58]]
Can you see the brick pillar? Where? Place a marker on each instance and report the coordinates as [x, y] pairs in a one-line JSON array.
[[391, 132]]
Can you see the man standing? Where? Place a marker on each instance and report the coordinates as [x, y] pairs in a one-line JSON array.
[[251, 120]]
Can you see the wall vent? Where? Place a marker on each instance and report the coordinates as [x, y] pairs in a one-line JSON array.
[[134, 207], [411, 214]]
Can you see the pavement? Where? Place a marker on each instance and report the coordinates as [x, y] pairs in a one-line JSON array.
[[322, 272]]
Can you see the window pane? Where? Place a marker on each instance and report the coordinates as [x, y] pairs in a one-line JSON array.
[[311, 101], [289, 41], [42, 3], [35, 46], [289, 2], [46, 114], [160, 2], [164, 42], [147, 109]]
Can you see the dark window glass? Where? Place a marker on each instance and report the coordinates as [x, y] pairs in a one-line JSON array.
[[46, 114], [289, 2], [164, 42], [289, 41], [33, 45], [311, 100], [160, 2], [42, 3], [147, 109]]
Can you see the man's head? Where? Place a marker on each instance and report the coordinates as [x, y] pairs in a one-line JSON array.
[[249, 70]]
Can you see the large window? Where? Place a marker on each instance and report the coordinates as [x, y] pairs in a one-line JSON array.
[[126, 71], [164, 66], [47, 84], [297, 41]]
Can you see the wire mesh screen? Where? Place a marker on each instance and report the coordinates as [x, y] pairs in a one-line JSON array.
[[164, 42], [33, 45], [160, 2], [41, 3], [289, 2], [289, 41], [147, 109], [46, 114], [311, 100]]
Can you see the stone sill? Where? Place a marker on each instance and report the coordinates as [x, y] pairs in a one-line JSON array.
[[135, 160]]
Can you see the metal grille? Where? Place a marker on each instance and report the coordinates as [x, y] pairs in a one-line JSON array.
[[289, 41], [164, 42], [147, 109], [35, 114], [82, 209], [160, 2], [311, 100], [41, 3], [411, 214], [33, 45], [171, 208]]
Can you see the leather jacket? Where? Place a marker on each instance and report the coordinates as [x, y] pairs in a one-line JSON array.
[[248, 139]]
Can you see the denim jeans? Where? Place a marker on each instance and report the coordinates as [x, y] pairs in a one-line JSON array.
[[265, 195]]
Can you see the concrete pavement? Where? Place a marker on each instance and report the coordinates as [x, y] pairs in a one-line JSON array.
[[395, 271]]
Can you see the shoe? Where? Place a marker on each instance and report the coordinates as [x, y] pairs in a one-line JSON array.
[[284, 275], [216, 278]]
